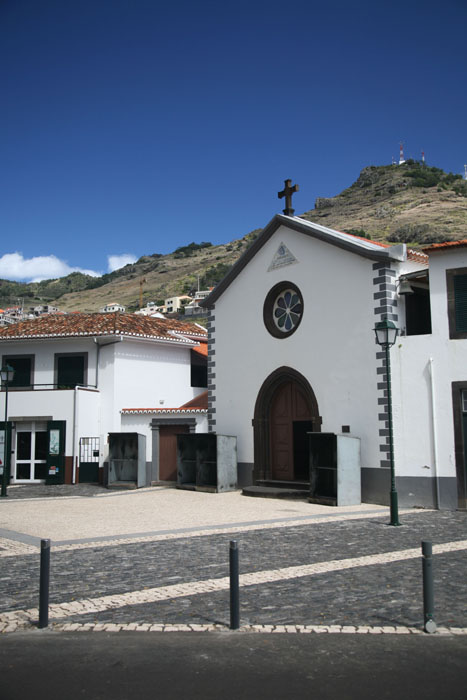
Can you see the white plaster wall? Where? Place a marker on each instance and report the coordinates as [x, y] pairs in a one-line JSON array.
[[201, 423], [139, 424], [50, 405], [109, 417], [152, 375], [88, 413], [417, 426], [44, 351], [333, 348]]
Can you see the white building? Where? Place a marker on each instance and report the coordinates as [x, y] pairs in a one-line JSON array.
[[194, 308], [151, 309], [43, 309], [292, 351], [174, 304], [111, 308], [80, 377]]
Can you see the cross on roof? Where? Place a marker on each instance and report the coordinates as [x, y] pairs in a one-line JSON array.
[[287, 192]]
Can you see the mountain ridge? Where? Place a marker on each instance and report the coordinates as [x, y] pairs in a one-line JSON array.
[[411, 203]]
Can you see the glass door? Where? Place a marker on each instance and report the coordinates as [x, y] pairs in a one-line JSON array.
[[30, 453]]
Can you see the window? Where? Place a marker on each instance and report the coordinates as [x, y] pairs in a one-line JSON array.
[[70, 370], [283, 310], [456, 282], [199, 370], [418, 312], [464, 400], [24, 367]]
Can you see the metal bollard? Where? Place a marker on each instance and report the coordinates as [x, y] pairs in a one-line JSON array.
[[428, 589], [234, 586], [44, 584]]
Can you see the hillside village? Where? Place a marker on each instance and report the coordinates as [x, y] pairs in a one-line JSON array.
[[172, 307], [287, 389]]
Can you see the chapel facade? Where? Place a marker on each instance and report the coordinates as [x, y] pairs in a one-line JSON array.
[[293, 354]]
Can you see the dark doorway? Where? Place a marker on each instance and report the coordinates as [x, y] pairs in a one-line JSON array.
[[418, 312], [459, 402], [301, 456]]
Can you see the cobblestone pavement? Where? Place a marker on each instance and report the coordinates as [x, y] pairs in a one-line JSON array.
[[335, 574]]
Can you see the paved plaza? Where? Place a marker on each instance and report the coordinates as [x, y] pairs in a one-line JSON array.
[[157, 560]]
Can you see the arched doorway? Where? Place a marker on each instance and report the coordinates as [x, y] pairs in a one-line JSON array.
[[286, 409]]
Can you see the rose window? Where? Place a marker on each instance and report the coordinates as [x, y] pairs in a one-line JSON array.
[[287, 310]]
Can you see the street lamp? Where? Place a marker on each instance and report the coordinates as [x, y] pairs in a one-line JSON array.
[[386, 334], [6, 374]]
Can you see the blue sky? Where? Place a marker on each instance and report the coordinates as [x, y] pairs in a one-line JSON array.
[[131, 127]]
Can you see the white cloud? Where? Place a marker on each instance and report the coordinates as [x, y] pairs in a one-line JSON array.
[[13, 266], [115, 262]]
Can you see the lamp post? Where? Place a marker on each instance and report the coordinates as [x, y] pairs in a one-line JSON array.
[[6, 373], [386, 334]]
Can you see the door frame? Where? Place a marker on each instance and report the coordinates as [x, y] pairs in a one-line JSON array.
[[261, 421], [14, 457], [156, 423]]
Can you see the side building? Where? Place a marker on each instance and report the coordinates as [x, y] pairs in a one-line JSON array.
[[79, 378]]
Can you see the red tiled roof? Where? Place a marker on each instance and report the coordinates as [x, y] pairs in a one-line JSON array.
[[417, 256], [200, 401], [412, 254], [446, 245], [96, 324], [368, 240], [202, 349]]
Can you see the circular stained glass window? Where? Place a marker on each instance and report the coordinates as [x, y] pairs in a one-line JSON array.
[[283, 309]]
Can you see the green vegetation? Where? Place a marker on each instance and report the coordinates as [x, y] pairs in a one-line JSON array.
[[185, 251], [427, 176], [213, 275], [359, 232]]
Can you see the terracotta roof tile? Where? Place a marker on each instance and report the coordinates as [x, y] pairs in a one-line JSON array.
[[200, 401], [412, 254], [202, 349], [446, 245], [368, 240], [95, 324], [417, 255]]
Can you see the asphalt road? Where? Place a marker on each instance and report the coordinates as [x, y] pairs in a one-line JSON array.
[[231, 665]]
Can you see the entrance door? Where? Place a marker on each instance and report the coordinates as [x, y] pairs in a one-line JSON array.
[[30, 453], [290, 418], [168, 450], [89, 460]]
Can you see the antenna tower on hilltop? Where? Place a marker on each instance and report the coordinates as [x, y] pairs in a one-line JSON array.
[[465, 172], [423, 156], [401, 154]]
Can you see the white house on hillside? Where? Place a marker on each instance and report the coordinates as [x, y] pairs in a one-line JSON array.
[[174, 304], [303, 361], [111, 308], [80, 377]]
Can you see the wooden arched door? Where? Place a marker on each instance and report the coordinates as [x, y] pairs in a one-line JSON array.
[[289, 420], [285, 410]]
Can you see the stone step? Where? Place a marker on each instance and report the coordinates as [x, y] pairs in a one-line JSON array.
[[295, 485], [272, 492], [122, 485]]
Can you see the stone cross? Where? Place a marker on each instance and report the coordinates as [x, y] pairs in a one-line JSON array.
[[287, 192]]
